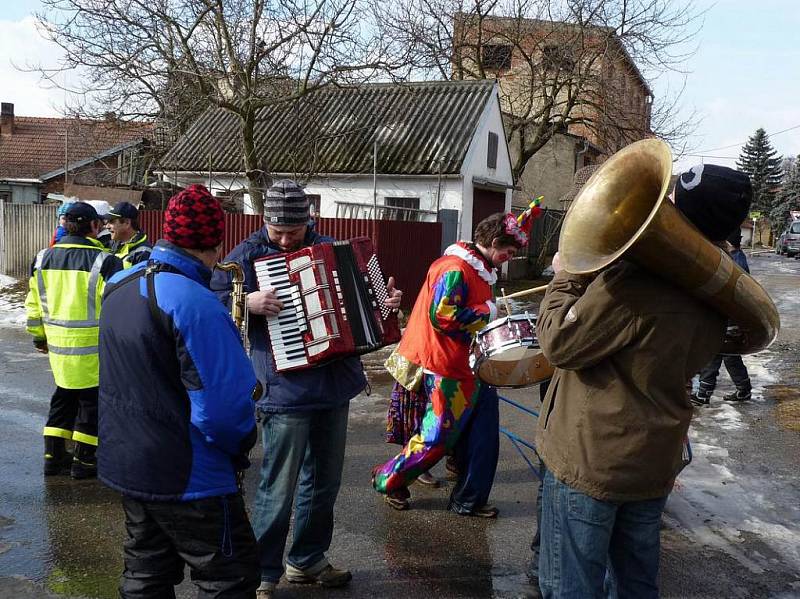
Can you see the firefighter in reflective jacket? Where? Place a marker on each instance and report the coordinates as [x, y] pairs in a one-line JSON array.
[[129, 243], [63, 306]]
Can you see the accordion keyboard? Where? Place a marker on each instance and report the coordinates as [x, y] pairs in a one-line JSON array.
[[286, 330]]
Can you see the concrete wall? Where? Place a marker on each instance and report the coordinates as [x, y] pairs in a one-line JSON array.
[[549, 173]]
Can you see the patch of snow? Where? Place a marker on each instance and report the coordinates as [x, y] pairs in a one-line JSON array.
[[725, 415], [6, 281], [12, 309]]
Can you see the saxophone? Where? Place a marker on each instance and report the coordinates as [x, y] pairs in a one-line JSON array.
[[238, 298], [239, 314]]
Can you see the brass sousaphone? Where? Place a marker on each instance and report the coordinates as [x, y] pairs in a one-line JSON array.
[[623, 209]]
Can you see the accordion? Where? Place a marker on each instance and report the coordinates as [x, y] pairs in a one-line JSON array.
[[333, 303]]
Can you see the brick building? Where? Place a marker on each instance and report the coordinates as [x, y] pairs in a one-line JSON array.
[[582, 75]]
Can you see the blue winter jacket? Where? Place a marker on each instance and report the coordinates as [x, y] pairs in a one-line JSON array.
[[176, 416], [320, 388]]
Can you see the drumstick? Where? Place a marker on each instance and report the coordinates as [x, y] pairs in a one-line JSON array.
[[530, 291], [505, 301]]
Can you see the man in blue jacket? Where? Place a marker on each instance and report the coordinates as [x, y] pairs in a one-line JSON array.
[[176, 414], [303, 413]]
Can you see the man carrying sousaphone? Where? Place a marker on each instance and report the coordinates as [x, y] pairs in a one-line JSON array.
[[624, 341], [454, 303]]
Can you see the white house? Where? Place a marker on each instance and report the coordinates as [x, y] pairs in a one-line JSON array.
[[415, 151]]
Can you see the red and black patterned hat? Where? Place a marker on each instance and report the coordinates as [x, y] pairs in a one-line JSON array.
[[194, 219]]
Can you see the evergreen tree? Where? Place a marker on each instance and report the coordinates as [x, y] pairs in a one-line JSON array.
[[761, 162], [788, 197]]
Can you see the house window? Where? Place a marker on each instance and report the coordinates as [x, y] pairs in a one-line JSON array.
[[313, 204], [402, 208], [496, 57], [491, 154], [5, 196], [557, 58]]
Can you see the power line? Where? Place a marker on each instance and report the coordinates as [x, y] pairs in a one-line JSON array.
[[744, 142], [715, 157]]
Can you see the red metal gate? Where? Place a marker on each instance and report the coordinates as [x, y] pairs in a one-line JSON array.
[[405, 249]]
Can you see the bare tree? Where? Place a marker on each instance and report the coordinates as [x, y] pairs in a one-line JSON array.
[[170, 59], [578, 66]]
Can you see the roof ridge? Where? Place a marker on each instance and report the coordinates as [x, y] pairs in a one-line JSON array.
[[18, 118]]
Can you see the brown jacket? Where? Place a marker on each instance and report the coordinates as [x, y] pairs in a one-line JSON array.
[[616, 414]]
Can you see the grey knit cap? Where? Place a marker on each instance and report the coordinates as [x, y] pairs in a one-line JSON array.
[[286, 204]]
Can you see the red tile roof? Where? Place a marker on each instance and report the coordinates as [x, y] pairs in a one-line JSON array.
[[36, 146]]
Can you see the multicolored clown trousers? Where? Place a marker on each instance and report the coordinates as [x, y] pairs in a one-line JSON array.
[[451, 404]]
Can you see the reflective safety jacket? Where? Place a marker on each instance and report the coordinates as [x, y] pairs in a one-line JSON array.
[[133, 251], [63, 306]]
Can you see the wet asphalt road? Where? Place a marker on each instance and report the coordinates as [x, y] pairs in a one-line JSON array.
[[63, 538]]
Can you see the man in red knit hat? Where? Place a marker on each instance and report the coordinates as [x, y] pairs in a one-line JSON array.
[[176, 413]]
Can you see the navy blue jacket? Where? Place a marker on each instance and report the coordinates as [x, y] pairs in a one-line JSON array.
[[320, 388], [176, 414]]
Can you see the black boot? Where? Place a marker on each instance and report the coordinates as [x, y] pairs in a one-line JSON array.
[[738, 395], [702, 398], [56, 457], [84, 464]]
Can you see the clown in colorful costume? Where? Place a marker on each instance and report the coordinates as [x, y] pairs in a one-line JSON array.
[[455, 303], [433, 359]]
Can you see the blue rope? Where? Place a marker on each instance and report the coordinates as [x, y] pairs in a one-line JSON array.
[[520, 406], [516, 441]]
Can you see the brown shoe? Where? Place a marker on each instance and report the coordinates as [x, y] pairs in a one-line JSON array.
[[266, 590], [328, 576], [429, 480], [398, 499]]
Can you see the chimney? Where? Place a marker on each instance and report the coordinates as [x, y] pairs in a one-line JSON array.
[[6, 118]]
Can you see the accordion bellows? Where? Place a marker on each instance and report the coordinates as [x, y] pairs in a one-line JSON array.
[[333, 298]]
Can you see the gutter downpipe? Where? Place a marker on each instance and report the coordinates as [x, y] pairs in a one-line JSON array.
[[439, 188], [580, 153], [375, 178]]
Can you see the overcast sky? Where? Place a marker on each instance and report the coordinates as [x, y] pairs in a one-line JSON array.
[[745, 75]]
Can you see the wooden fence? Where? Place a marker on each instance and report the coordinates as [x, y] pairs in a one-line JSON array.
[[24, 230]]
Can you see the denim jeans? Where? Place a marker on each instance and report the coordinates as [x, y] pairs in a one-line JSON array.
[[582, 537], [536, 543], [303, 451]]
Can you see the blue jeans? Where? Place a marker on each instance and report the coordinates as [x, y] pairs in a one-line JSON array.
[[583, 536], [302, 451]]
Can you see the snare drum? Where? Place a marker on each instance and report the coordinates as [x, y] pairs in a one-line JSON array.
[[505, 353]]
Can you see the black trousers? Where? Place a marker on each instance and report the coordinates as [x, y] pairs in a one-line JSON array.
[[735, 368], [213, 536], [73, 411]]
